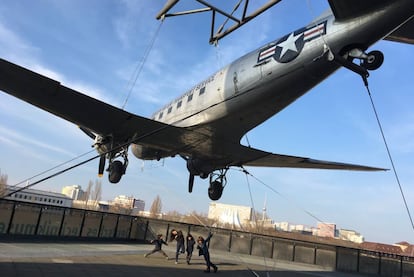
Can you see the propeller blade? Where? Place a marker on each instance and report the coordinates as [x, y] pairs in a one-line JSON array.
[[102, 161], [190, 183]]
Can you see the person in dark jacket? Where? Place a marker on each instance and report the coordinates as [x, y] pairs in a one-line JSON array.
[[158, 242], [179, 237], [190, 247], [203, 250]]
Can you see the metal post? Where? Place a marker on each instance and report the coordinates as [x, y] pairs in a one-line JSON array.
[[294, 251], [100, 226], [273, 249], [82, 223], [38, 220], [131, 221], [116, 227], [358, 259], [11, 218], [61, 222], [146, 229], [168, 230], [230, 239]]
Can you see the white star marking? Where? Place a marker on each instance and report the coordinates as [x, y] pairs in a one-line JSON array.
[[289, 44]]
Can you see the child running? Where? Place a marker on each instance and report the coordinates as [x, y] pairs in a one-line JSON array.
[[158, 242]]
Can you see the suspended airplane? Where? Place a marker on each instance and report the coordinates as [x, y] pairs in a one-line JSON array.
[[205, 124]]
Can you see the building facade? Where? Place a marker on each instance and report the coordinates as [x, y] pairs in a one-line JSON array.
[[233, 215]]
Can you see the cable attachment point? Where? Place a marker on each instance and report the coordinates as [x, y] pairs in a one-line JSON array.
[[359, 69]]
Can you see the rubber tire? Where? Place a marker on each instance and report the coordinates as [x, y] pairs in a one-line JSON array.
[[377, 60], [116, 170]]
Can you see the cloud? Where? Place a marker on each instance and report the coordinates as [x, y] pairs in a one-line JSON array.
[[22, 141]]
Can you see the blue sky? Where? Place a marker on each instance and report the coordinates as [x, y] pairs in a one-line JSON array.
[[94, 47]]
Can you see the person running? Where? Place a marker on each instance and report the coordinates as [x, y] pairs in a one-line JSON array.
[[179, 237], [190, 247], [203, 250], [158, 242]]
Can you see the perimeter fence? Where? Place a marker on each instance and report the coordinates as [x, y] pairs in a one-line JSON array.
[[20, 219]]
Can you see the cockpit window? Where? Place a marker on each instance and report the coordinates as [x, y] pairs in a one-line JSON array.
[[202, 90]]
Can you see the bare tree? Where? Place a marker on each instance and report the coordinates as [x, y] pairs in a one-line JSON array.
[[87, 193], [3, 184], [96, 192], [156, 206]]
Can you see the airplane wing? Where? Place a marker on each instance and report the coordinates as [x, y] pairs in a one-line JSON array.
[[90, 113], [347, 9], [403, 34], [266, 159]]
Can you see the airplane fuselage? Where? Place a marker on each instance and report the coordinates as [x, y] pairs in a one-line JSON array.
[[260, 84]]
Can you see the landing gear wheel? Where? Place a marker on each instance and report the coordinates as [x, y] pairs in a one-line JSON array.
[[373, 61], [116, 170], [215, 190]]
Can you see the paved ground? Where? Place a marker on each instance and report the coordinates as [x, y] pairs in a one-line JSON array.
[[119, 259]]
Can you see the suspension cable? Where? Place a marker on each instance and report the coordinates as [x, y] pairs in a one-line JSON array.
[[285, 198], [389, 155], [50, 176], [255, 222], [137, 72]]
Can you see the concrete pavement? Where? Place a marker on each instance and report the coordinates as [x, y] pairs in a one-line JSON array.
[[121, 259]]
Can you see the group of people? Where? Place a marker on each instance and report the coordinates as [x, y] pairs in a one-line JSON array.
[[178, 236]]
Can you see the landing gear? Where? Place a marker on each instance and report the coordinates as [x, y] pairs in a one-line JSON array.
[[371, 61], [204, 169], [217, 183], [117, 168]]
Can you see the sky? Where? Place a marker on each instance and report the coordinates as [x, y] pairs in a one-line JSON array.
[[96, 46]]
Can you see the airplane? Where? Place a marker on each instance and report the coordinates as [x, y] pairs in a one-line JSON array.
[[205, 125]]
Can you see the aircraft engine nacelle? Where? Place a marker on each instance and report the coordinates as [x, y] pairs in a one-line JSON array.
[[101, 144], [147, 153], [199, 167]]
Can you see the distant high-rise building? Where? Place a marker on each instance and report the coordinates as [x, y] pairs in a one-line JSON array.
[[75, 192], [139, 205]]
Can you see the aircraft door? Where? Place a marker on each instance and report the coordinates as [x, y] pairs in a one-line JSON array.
[[244, 75]]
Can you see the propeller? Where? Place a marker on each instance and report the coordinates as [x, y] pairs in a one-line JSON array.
[[102, 158], [190, 183], [101, 167]]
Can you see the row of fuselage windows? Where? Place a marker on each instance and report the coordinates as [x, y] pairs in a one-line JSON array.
[[38, 199], [180, 102]]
